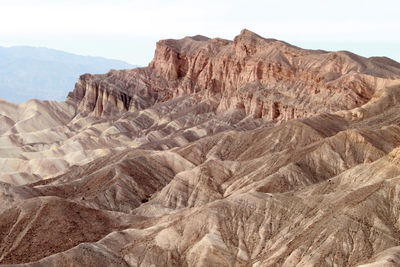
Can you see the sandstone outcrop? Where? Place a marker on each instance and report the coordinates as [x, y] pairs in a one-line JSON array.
[[267, 78]]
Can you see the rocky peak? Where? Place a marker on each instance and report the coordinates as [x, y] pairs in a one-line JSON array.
[[268, 78], [170, 58], [248, 43]]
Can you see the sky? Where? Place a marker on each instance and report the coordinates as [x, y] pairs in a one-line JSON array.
[[128, 30]]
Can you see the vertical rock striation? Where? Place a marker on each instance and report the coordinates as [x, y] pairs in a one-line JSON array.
[[267, 78]]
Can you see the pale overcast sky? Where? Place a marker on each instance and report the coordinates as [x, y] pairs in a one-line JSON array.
[[128, 30]]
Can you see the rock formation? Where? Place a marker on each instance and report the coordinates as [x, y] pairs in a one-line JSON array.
[[250, 152], [267, 78]]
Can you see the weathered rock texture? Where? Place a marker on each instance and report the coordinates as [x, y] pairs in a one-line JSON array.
[[268, 78], [219, 153]]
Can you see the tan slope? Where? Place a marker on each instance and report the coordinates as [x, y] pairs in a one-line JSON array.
[[48, 152], [333, 220], [23, 227], [120, 182]]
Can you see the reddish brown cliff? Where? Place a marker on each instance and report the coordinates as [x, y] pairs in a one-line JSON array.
[[267, 78]]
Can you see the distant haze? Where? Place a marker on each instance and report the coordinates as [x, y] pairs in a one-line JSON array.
[[128, 29], [47, 74]]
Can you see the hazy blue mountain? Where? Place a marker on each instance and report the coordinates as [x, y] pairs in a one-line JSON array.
[[42, 73]]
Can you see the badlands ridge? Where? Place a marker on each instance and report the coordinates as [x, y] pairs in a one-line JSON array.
[[250, 152]]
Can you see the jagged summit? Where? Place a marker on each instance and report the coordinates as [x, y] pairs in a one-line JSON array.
[[200, 38], [249, 36]]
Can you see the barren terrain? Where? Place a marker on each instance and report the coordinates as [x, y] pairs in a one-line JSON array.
[[250, 152]]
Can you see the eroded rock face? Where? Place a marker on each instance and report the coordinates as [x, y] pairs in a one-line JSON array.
[[267, 78], [107, 95], [249, 152]]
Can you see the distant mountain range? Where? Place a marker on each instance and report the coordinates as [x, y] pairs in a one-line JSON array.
[[42, 73]]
